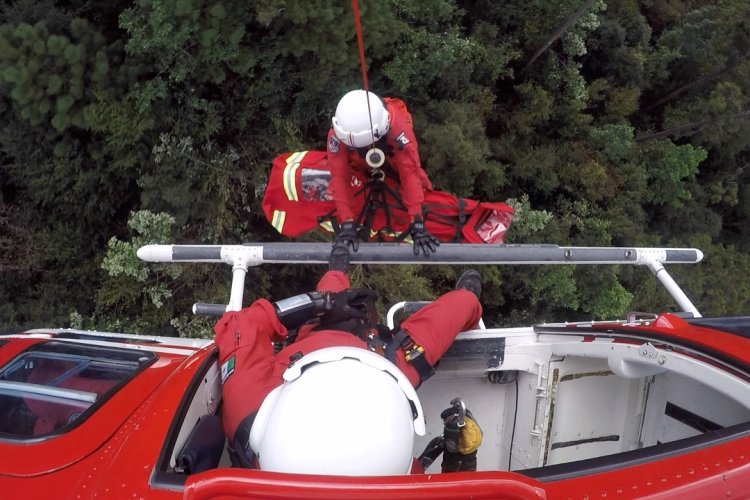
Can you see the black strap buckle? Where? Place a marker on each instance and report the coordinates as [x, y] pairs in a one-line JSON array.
[[375, 343], [412, 351]]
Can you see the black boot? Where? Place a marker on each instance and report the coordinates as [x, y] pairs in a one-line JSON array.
[[470, 280], [339, 258]]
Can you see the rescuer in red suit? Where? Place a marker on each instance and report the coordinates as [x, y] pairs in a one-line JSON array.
[[360, 129], [250, 369]]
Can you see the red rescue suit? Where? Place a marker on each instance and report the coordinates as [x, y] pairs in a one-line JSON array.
[[250, 370], [402, 154]]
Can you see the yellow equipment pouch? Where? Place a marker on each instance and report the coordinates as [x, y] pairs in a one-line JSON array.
[[470, 437]]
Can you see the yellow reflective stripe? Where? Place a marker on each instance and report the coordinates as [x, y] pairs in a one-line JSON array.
[[290, 175], [373, 234], [277, 221], [391, 234], [327, 226]]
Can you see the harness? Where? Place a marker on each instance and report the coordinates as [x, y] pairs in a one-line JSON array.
[[413, 354], [381, 340], [240, 453], [378, 195]]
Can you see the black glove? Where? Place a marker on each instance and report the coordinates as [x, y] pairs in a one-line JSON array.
[[352, 303], [348, 235], [422, 239]]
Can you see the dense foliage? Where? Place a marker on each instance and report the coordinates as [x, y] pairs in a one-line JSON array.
[[605, 122]]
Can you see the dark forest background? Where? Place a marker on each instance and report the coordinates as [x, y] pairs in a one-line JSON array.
[[618, 122]]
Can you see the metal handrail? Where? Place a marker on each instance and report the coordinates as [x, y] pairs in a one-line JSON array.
[[240, 257]]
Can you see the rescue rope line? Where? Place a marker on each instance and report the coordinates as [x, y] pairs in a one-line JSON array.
[[363, 64]]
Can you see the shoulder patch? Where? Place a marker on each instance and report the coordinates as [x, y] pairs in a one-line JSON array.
[[402, 140], [333, 144], [227, 368]]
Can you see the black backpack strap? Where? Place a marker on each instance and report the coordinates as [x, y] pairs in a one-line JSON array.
[[457, 221]]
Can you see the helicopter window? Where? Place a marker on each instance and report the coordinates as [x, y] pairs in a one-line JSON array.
[[52, 387]]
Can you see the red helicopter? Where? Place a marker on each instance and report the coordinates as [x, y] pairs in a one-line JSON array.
[[650, 406]]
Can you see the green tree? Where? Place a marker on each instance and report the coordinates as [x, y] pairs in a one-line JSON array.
[[603, 123]]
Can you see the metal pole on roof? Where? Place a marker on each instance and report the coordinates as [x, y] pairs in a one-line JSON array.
[[240, 257], [252, 254], [672, 287]]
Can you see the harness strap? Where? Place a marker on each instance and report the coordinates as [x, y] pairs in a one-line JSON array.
[[240, 453], [461, 219], [376, 336], [457, 221], [374, 342], [376, 193], [380, 341], [366, 214], [413, 354]]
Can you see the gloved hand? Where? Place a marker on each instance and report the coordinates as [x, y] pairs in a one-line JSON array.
[[352, 303], [348, 235], [422, 239]]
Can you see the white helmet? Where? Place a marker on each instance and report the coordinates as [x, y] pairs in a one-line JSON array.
[[352, 123], [353, 413]]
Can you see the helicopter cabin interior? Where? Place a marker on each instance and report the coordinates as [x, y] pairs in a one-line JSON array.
[[550, 401]]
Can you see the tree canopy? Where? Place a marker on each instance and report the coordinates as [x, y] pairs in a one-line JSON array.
[[604, 122]]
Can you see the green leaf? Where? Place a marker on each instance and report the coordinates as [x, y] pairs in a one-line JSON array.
[[54, 84], [64, 103], [218, 11]]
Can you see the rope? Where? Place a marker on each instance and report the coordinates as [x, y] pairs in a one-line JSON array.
[[360, 42], [363, 64]]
